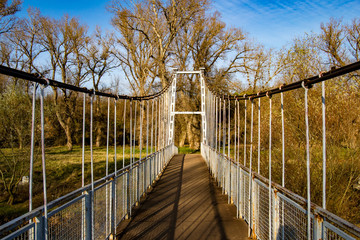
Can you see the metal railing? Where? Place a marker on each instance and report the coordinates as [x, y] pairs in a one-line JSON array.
[[70, 217], [287, 210]]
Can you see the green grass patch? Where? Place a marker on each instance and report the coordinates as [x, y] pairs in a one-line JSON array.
[[188, 150]]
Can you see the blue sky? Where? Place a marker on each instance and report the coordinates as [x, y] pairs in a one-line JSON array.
[[273, 23]]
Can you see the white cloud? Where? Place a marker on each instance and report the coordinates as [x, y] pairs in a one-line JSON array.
[[275, 23]]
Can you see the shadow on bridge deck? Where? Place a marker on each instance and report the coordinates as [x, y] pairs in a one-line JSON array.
[[184, 204]]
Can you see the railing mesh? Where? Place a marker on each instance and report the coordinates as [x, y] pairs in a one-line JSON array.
[[68, 222]]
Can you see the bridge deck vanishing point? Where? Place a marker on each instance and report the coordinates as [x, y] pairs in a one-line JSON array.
[[184, 204]]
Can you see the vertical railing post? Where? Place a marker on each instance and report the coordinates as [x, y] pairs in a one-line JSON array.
[[113, 208], [39, 228], [319, 227], [88, 215], [128, 195], [275, 213], [254, 208]]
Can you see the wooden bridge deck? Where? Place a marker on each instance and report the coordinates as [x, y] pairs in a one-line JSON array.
[[184, 204]]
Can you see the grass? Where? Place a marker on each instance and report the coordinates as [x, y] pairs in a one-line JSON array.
[[63, 173], [187, 150]]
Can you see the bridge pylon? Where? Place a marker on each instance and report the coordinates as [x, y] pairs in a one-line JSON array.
[[173, 102]]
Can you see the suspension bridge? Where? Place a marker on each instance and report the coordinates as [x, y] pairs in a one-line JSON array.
[[215, 195]]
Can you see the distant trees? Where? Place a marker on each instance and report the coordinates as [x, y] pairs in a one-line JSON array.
[[158, 35], [62, 50], [14, 136]]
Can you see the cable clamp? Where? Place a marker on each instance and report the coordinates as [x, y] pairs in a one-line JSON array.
[[321, 74], [92, 92], [47, 83], [268, 94], [303, 85]]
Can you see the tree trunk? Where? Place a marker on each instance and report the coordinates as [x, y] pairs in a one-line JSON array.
[[10, 200], [98, 124], [99, 133], [69, 142], [190, 134], [66, 125], [182, 138], [20, 138]]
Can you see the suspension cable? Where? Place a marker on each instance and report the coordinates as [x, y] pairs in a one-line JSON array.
[[245, 103], [107, 137], [147, 128], [224, 127], [131, 152], [83, 143], [141, 128], [308, 82], [32, 146], [229, 129], [238, 130], [235, 130], [259, 135], [152, 125], [216, 121], [123, 157], [270, 180], [250, 166], [92, 163], [307, 163], [282, 140], [124, 133], [41, 80], [134, 138], [324, 144], [115, 159], [43, 159]]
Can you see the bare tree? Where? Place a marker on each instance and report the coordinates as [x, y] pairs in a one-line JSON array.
[[148, 30], [65, 41], [7, 11], [100, 60]]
